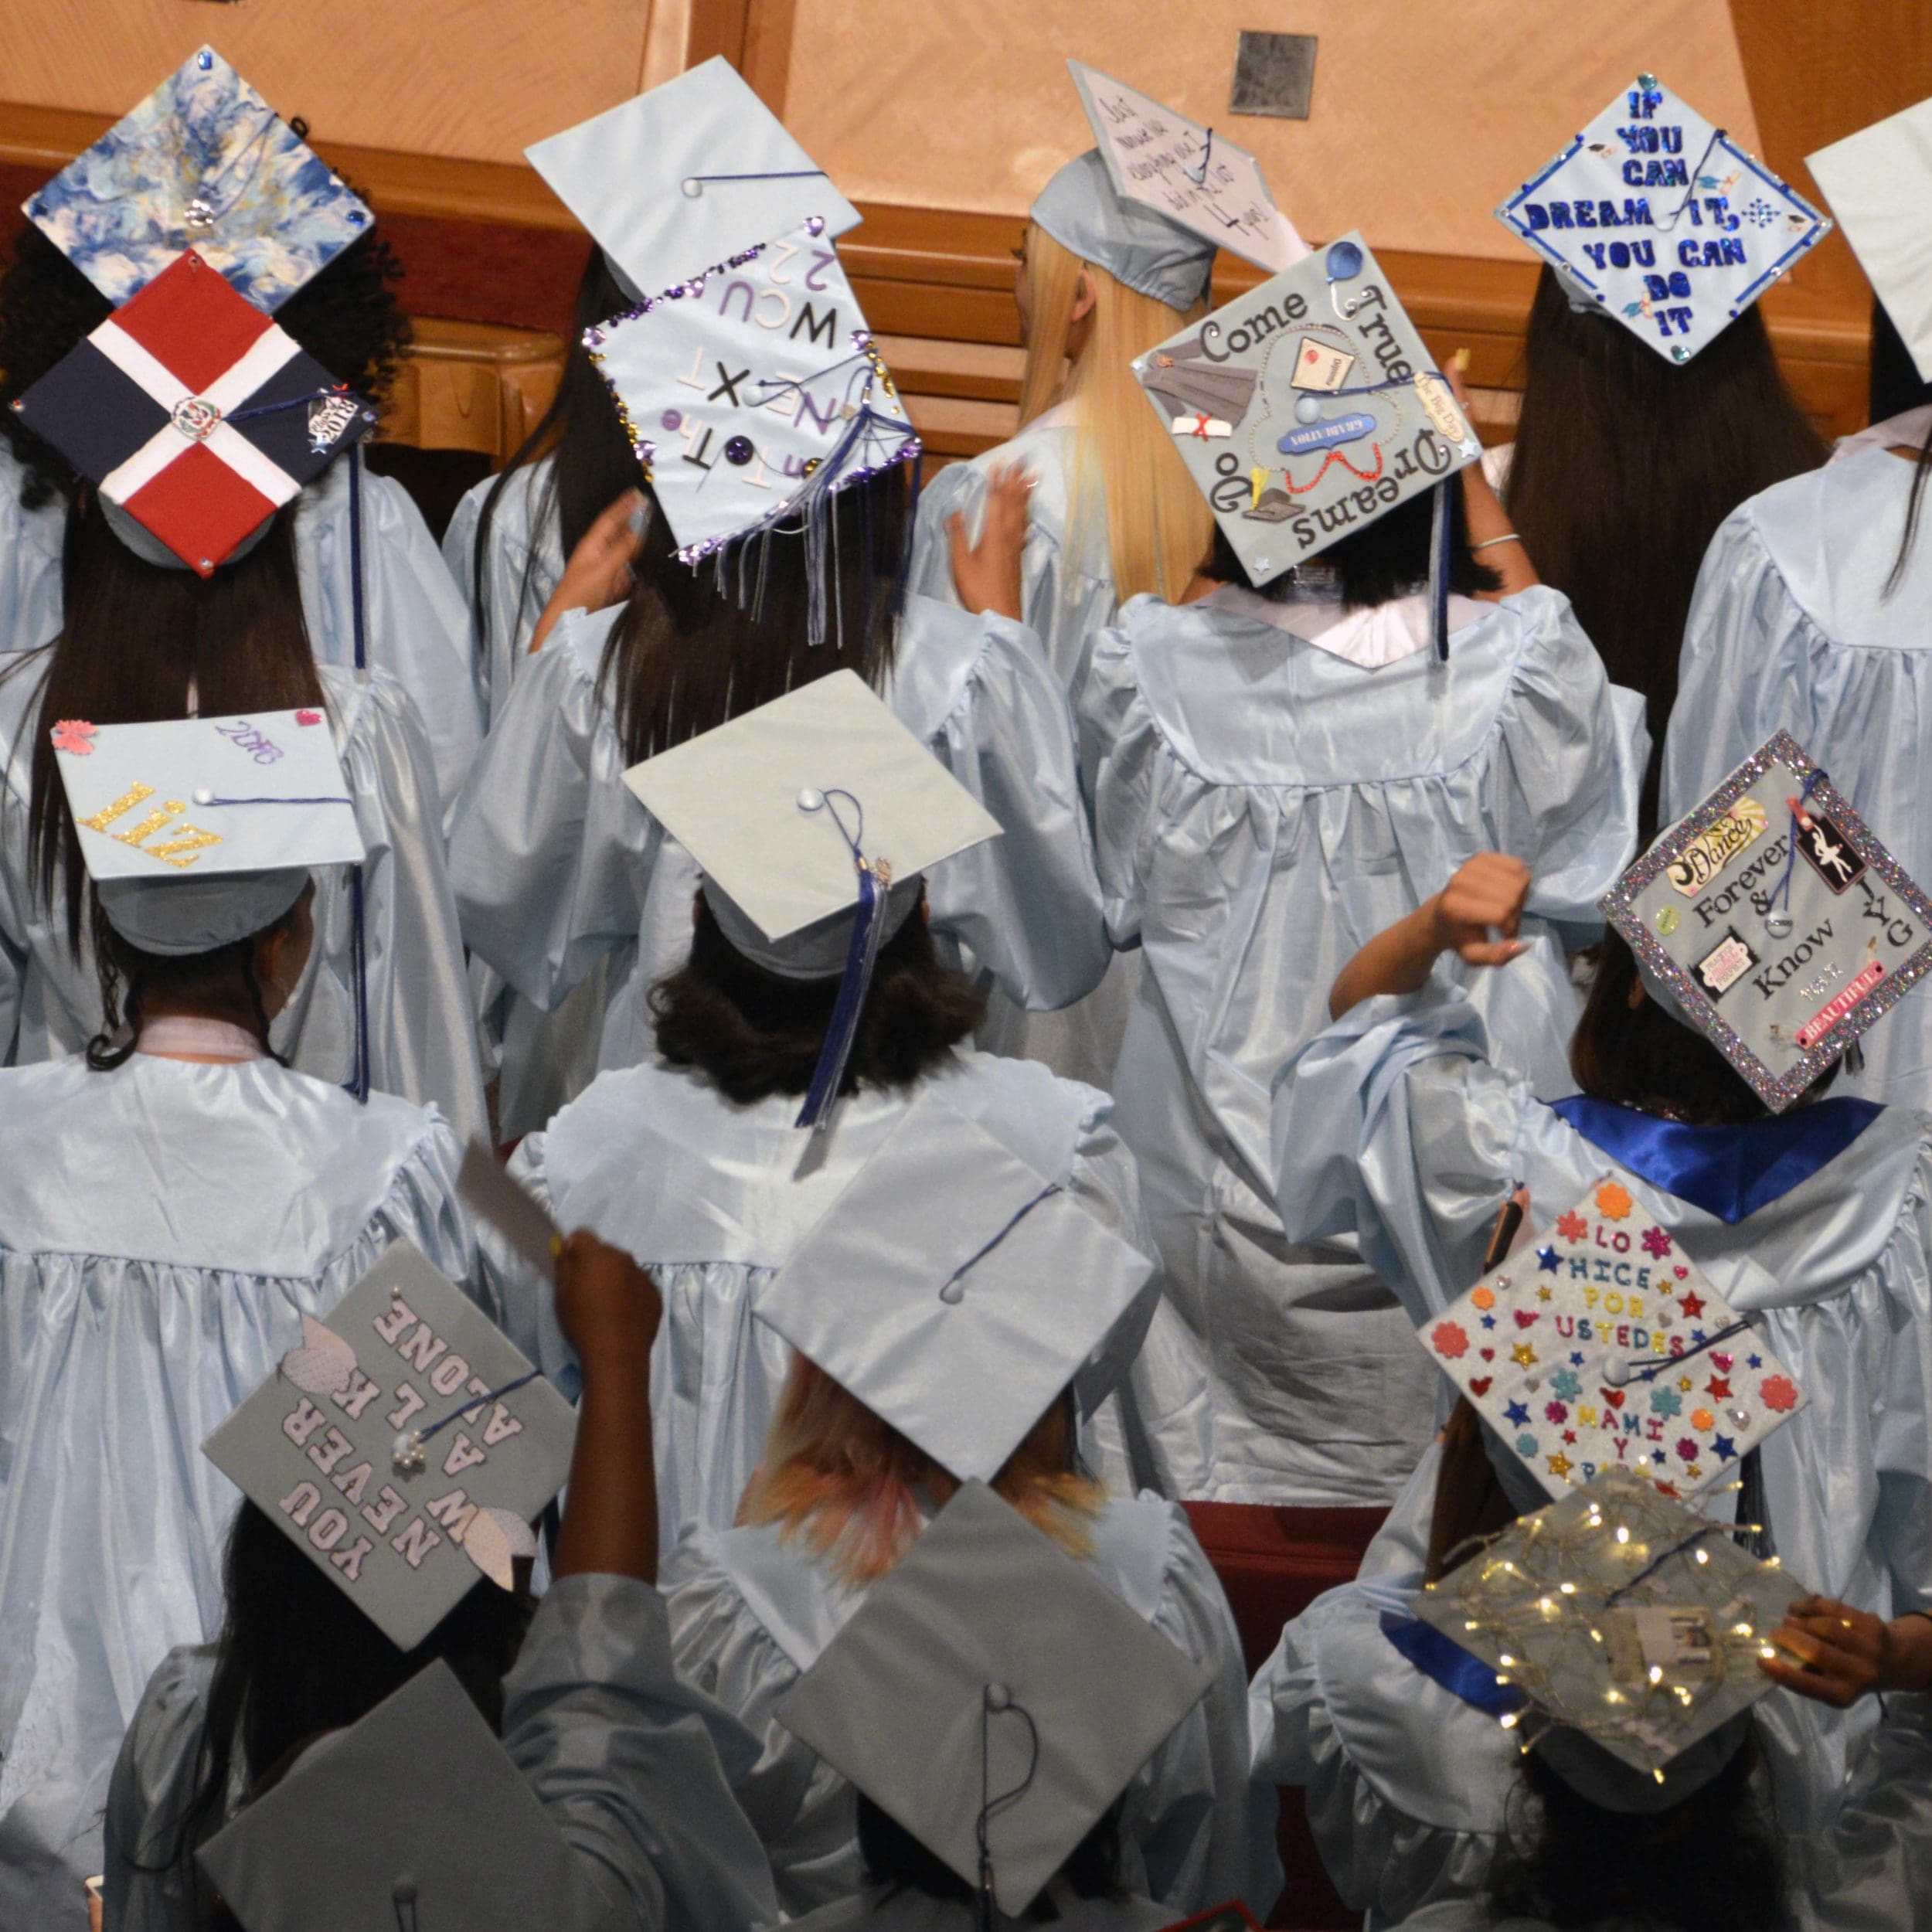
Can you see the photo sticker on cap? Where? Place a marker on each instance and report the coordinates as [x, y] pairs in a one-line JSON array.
[[1307, 408], [1773, 898]]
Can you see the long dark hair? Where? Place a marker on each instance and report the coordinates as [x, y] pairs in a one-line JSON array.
[[1711, 1864], [594, 465], [1624, 466], [893, 1857], [1895, 387], [297, 1657], [754, 1035]]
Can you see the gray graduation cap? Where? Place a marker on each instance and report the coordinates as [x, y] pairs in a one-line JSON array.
[[953, 1289], [405, 1445], [977, 1697], [411, 1821], [1771, 919]]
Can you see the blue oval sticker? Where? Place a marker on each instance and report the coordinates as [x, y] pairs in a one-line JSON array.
[[1322, 435]]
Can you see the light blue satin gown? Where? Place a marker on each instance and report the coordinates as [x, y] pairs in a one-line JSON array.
[[629, 1764], [1395, 1129], [1262, 805], [164, 1228], [750, 1613], [1792, 629]]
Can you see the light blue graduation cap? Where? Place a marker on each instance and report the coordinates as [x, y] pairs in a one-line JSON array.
[[1661, 221], [203, 161]]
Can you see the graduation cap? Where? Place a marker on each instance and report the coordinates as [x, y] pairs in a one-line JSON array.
[[1631, 1625], [1879, 183], [953, 1290], [1661, 221], [194, 413], [992, 1698], [405, 1445], [675, 183], [813, 818], [1604, 1345], [204, 162], [414, 1815], [1772, 920], [1188, 175]]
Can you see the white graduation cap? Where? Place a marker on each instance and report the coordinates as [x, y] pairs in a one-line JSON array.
[[1772, 920], [953, 1290], [1186, 173], [413, 1816], [674, 183], [405, 1445], [1661, 221], [200, 831], [989, 1683], [1879, 183]]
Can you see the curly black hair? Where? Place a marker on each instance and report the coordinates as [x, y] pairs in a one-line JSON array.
[[347, 317]]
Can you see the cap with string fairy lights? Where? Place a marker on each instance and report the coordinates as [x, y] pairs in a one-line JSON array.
[[1622, 1632], [675, 183], [975, 1697], [198, 832], [413, 1819], [1657, 220], [203, 162], [1772, 920], [1186, 174], [955, 1291], [813, 818], [1309, 407], [1878, 183], [195, 414], [405, 1445]]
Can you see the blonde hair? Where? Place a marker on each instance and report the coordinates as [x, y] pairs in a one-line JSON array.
[[1128, 478], [851, 1485]]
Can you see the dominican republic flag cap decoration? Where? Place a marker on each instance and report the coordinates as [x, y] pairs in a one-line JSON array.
[[195, 413]]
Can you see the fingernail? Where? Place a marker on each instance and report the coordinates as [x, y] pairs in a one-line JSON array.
[[637, 519], [556, 1246]]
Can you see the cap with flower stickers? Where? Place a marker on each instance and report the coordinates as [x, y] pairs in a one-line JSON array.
[[1661, 221], [1604, 1345], [204, 162], [1770, 919]]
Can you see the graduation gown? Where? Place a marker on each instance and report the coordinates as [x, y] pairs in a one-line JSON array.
[[1791, 630], [891, 1910], [557, 866], [1395, 1126], [164, 1228], [1263, 804], [628, 1764], [422, 1040], [705, 1194], [750, 1613], [413, 624]]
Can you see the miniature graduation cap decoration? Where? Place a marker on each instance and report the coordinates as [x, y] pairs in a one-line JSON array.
[[1604, 1345], [414, 1815], [953, 1290], [203, 162], [194, 413], [1878, 183], [1772, 920], [201, 831], [1661, 221], [1631, 1626], [814, 819], [675, 182], [1307, 408], [977, 1697], [1188, 175], [405, 1445]]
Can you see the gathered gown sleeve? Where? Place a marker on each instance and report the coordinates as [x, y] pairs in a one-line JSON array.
[[1123, 773]]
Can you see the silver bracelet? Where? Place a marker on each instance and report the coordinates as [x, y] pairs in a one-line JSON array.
[[1490, 543]]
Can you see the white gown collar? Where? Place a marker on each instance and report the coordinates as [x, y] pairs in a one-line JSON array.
[[1909, 427], [1368, 639]]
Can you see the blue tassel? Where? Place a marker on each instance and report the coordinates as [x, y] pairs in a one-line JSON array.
[[861, 957], [1439, 571]]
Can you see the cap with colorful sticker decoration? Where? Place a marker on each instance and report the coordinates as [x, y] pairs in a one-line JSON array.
[[1604, 1345], [1772, 920], [1662, 222]]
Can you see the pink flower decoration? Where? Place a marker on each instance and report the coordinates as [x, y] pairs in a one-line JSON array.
[[308, 717], [1656, 1243], [1449, 1338], [72, 736], [1687, 1448], [1555, 1412], [1778, 1392]]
